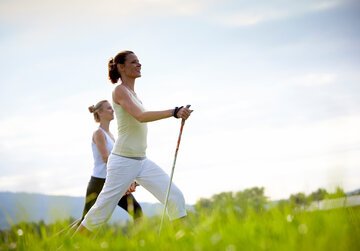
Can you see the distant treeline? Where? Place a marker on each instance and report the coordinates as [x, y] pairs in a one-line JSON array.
[[254, 199]]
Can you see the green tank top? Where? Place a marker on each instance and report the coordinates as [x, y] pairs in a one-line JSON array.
[[132, 135]]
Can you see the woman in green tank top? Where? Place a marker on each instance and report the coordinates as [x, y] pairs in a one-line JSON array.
[[128, 161]]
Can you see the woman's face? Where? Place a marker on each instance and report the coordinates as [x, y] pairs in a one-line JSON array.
[[132, 66], [106, 112]]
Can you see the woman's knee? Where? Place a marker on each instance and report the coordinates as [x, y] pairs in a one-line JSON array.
[[177, 197]]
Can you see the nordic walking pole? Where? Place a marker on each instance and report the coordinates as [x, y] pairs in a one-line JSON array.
[[172, 172]]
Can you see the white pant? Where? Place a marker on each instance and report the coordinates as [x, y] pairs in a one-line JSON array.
[[121, 172]]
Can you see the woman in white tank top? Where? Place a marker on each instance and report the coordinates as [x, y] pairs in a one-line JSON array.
[[102, 144], [128, 160]]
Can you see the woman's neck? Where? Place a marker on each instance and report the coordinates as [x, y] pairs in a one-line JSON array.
[[105, 125], [129, 83]]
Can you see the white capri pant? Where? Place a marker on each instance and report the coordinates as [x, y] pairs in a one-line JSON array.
[[121, 172]]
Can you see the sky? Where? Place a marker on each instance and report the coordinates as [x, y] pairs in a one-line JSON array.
[[275, 88]]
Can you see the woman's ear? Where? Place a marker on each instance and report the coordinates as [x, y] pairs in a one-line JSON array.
[[120, 67]]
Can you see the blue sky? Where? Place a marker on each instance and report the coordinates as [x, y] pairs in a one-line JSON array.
[[275, 86]]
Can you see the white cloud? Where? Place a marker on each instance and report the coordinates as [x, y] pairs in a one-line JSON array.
[[324, 5], [254, 13], [284, 160], [238, 13], [250, 17], [315, 79], [92, 11]]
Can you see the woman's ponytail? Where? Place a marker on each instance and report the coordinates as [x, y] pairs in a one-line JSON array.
[[91, 109], [113, 72]]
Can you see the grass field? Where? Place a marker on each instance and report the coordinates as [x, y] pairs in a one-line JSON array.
[[223, 227]]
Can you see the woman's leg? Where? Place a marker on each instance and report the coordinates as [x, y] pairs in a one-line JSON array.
[[156, 181], [120, 173], [129, 203], [92, 192]]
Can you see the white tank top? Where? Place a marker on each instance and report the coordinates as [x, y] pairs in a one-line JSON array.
[[99, 170]]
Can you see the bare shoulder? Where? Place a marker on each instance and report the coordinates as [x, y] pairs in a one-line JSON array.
[[98, 135], [120, 93], [120, 89]]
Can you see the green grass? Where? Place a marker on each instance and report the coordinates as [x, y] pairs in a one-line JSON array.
[[223, 228]]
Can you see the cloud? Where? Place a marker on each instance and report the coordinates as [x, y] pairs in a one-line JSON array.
[[52, 139], [315, 79], [238, 13], [245, 14], [91, 11], [284, 159], [250, 17], [324, 5]]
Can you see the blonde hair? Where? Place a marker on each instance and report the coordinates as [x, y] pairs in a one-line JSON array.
[[96, 108]]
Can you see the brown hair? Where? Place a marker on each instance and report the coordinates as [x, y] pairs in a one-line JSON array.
[[96, 108], [120, 58]]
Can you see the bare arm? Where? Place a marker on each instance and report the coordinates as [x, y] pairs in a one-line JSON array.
[[122, 97], [100, 141]]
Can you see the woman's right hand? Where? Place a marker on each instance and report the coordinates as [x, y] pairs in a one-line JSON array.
[[131, 189], [184, 113]]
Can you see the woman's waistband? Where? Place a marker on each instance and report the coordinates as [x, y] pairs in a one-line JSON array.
[[137, 158]]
